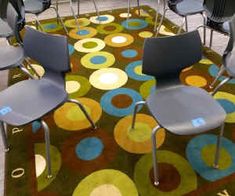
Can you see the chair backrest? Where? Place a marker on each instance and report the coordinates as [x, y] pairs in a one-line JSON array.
[[19, 7], [12, 17], [165, 57], [219, 10], [51, 51]]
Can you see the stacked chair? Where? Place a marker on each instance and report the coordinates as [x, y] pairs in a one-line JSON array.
[[199, 112], [41, 96]]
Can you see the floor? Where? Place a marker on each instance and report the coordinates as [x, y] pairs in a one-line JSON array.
[[219, 41]]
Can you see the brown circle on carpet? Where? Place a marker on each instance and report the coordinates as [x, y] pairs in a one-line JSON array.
[[121, 101]]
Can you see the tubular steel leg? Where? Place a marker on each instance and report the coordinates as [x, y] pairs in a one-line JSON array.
[[26, 71], [84, 111], [156, 16], [211, 38], [47, 141], [4, 137], [181, 26], [96, 9], [60, 19], [186, 23], [204, 29], [217, 152], [135, 111], [73, 13], [31, 67], [221, 71], [220, 85], [78, 7], [128, 9], [161, 21], [154, 154], [138, 5]]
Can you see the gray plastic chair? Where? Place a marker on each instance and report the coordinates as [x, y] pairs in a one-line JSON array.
[[11, 56], [228, 60], [36, 7], [183, 8], [41, 96], [217, 15], [180, 109]]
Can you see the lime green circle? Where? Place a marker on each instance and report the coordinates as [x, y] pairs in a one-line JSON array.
[[101, 28], [145, 88], [75, 114], [90, 45], [188, 178], [134, 23], [138, 70], [107, 176], [141, 133], [225, 160], [85, 85], [110, 60], [42, 180]]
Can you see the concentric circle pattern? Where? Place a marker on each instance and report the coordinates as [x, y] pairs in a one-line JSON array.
[[98, 60], [134, 71], [178, 180], [145, 34], [89, 45], [69, 116], [108, 78], [147, 87], [137, 140], [118, 39], [106, 182], [134, 24], [82, 32], [89, 151], [82, 22], [196, 80], [200, 152], [109, 28], [102, 19], [120, 102], [77, 86], [51, 27], [227, 101]]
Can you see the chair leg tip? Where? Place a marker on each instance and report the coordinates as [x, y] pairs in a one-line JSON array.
[[216, 166], [156, 183], [7, 149], [49, 176]]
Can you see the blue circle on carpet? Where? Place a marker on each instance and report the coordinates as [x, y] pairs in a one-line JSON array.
[[130, 70], [228, 106], [214, 69], [71, 49], [108, 107], [134, 24], [193, 153], [98, 59], [83, 32], [50, 26], [102, 18], [129, 53], [89, 148]]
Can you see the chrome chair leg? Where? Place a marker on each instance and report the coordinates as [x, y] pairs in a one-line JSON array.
[[60, 19], [181, 26], [84, 111], [4, 137], [73, 13], [161, 22], [156, 16], [135, 111], [128, 9], [217, 152], [186, 23], [211, 38], [138, 5], [96, 9], [154, 154], [47, 142], [38, 24], [220, 72], [26, 71], [220, 85]]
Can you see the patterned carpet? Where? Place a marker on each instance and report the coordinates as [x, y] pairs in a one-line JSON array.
[[115, 160]]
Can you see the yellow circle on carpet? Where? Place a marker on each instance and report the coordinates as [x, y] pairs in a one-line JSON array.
[[108, 78], [164, 31], [89, 45], [104, 19], [69, 116], [125, 15], [196, 80], [230, 118], [145, 34], [98, 60], [106, 190], [142, 13], [82, 22], [82, 32], [206, 61], [137, 140], [72, 86], [118, 39]]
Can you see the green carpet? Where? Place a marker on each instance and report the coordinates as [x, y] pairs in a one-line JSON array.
[[115, 160]]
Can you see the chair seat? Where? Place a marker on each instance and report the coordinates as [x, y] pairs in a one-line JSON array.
[[10, 56], [185, 110], [225, 27], [189, 7], [229, 61], [33, 6], [29, 100], [5, 29]]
